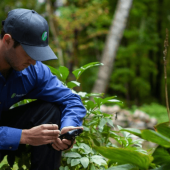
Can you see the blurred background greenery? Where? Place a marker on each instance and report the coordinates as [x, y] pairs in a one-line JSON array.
[[78, 30]]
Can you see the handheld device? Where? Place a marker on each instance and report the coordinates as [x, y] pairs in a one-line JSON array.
[[70, 135]]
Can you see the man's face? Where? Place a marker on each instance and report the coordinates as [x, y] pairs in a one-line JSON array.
[[18, 59]]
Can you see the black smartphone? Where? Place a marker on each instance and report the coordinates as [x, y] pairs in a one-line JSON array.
[[70, 135]]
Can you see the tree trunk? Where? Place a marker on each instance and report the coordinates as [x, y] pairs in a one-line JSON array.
[[159, 53], [54, 31], [111, 46]]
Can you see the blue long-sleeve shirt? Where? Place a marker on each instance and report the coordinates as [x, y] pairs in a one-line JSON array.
[[37, 82]]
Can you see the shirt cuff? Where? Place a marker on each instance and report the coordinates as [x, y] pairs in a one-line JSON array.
[[69, 122], [12, 138]]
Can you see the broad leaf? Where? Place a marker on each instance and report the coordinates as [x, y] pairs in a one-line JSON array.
[[86, 148], [161, 155], [163, 167], [79, 71], [55, 72], [64, 168], [90, 105], [124, 167], [72, 155], [125, 156], [72, 84], [98, 160], [111, 100], [156, 137], [82, 94], [134, 131], [110, 122], [103, 121], [85, 128], [75, 162], [64, 72], [92, 167], [163, 128], [84, 161], [98, 100]]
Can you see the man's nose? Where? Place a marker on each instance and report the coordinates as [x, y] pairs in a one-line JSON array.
[[33, 62]]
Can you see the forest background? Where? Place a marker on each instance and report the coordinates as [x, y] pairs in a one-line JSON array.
[[78, 31]]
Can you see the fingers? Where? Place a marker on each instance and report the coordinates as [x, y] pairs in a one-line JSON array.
[[49, 126], [55, 147], [67, 142], [69, 128], [55, 133], [60, 145]]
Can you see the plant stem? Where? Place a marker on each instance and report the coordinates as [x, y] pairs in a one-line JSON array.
[[165, 72]]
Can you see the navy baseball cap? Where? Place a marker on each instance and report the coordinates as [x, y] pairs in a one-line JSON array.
[[31, 30]]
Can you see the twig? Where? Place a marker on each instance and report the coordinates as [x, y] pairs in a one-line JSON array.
[[165, 72]]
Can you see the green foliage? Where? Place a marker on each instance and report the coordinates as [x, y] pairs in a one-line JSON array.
[[124, 167], [94, 149], [124, 156], [79, 71]]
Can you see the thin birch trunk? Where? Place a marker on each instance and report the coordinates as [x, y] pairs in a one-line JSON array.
[[111, 46]]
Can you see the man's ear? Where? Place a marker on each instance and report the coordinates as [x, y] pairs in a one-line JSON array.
[[8, 41]]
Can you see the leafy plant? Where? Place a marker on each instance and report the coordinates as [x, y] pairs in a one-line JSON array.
[[102, 145]]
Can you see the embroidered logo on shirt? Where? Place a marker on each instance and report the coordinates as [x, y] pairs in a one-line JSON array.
[[17, 95]]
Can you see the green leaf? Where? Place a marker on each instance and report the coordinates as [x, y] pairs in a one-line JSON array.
[[110, 122], [98, 160], [113, 134], [156, 137], [124, 167], [72, 84], [61, 168], [69, 160], [64, 72], [84, 161], [92, 167], [79, 71], [90, 105], [75, 162], [161, 155], [64, 168], [55, 72], [96, 142], [163, 167], [111, 100], [86, 148], [85, 128], [103, 121], [134, 131], [95, 94], [82, 94], [125, 156], [72, 155], [163, 128], [98, 100]]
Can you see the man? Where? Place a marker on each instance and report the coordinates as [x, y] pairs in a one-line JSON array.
[[23, 44]]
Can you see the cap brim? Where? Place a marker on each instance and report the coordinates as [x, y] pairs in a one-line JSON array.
[[39, 53]]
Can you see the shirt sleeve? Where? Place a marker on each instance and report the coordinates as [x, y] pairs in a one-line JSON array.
[[10, 138], [49, 88]]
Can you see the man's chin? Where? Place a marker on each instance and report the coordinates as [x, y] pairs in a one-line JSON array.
[[18, 69]]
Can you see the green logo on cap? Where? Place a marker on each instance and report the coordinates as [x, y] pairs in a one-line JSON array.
[[13, 95], [44, 36]]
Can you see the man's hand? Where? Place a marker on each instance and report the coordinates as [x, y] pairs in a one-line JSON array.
[[40, 135], [64, 143]]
